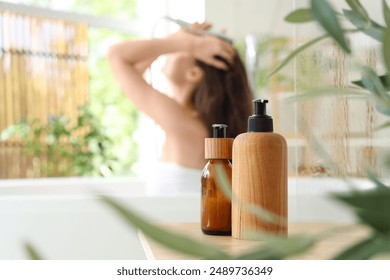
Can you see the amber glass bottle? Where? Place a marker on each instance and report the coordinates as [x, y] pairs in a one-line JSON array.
[[215, 205]]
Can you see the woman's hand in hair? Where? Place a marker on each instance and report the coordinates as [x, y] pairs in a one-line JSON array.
[[203, 26], [213, 51], [207, 48]]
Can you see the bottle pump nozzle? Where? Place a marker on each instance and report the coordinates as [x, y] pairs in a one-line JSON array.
[[219, 130], [260, 121], [260, 107]]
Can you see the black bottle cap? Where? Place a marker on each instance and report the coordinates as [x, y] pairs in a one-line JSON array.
[[260, 121], [219, 130]]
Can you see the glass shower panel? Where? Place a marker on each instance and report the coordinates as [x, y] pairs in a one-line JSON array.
[[335, 134]]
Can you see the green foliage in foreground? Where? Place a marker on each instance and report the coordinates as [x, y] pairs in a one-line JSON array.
[[275, 247]]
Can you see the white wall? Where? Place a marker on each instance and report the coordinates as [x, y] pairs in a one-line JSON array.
[[242, 17], [150, 11], [250, 16]]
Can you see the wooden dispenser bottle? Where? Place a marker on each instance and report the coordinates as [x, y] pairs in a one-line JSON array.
[[259, 177], [215, 206]]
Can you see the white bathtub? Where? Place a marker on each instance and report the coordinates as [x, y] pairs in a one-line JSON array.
[[64, 221]]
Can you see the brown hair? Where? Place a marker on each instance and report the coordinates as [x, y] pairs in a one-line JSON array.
[[224, 97]]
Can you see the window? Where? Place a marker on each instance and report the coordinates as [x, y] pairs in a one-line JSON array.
[[52, 63]]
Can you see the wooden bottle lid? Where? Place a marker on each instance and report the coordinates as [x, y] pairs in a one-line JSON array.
[[218, 148]]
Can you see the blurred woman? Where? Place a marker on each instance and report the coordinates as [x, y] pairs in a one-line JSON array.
[[207, 85]]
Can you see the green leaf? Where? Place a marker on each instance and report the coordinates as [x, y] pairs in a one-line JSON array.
[[20, 130], [260, 213], [382, 126], [386, 48], [326, 92], [376, 85], [384, 79], [32, 252], [375, 199], [277, 248], [177, 242], [358, 8], [299, 16], [372, 82], [371, 207], [365, 249], [385, 110], [386, 13], [296, 52], [260, 254], [327, 18], [372, 29], [375, 219], [375, 179]]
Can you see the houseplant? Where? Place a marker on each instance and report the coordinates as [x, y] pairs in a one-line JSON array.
[[61, 147]]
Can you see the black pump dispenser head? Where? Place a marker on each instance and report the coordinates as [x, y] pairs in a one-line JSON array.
[[260, 121], [219, 130]]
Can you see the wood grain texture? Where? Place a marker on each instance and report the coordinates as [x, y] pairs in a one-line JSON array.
[[218, 148], [259, 178]]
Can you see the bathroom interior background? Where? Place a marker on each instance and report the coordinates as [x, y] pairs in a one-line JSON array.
[[344, 127]]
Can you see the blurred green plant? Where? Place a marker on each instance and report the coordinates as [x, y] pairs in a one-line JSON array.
[[275, 47], [271, 49], [32, 252], [110, 108], [274, 247], [124, 9], [64, 148], [371, 207]]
